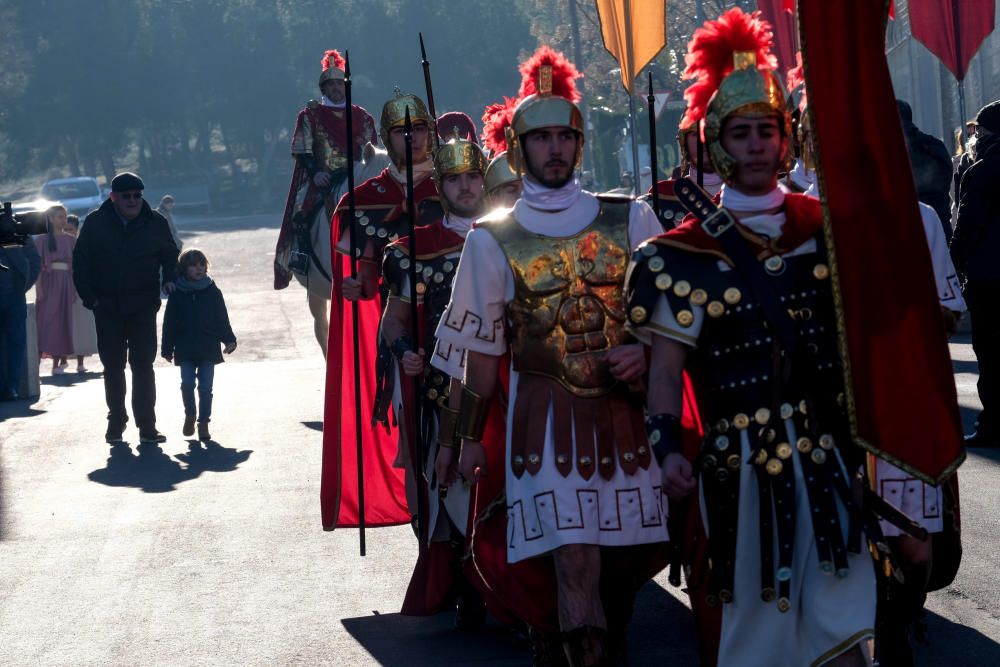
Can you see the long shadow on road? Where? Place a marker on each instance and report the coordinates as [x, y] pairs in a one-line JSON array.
[[662, 632], [955, 645], [154, 472]]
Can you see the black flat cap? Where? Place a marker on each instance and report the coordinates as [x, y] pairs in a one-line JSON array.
[[126, 181]]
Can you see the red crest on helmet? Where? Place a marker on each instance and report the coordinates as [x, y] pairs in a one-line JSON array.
[[332, 58], [710, 56], [496, 120], [564, 75]]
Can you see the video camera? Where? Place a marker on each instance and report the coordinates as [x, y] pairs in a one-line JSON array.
[[16, 229]]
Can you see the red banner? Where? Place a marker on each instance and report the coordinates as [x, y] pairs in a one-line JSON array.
[[782, 22], [900, 388], [953, 30]]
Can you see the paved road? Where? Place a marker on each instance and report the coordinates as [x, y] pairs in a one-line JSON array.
[[186, 554]]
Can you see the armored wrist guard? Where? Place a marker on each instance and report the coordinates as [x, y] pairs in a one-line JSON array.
[[447, 421], [471, 416], [401, 346], [664, 433]]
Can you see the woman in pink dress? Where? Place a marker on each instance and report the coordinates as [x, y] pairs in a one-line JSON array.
[[54, 291]]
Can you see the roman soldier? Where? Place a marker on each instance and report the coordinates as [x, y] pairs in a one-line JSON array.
[[458, 171], [582, 490], [672, 211], [318, 179], [380, 218], [741, 298], [503, 186]]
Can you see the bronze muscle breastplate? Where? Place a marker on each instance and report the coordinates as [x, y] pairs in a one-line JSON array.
[[568, 308], [325, 151]]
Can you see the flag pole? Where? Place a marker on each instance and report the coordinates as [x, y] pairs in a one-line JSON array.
[[354, 304]]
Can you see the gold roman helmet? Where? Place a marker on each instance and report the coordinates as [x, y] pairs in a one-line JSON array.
[[731, 61], [394, 114], [548, 95], [499, 174], [747, 91], [333, 67], [458, 156]]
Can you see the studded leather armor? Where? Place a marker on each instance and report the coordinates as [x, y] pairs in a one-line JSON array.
[[744, 383]]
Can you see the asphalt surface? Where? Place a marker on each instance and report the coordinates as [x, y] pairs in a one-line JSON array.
[[194, 554]]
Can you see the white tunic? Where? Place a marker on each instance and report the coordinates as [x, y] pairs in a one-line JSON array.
[[452, 362], [546, 510], [828, 614]]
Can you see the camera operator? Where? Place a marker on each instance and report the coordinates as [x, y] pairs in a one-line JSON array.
[[24, 264], [117, 263]]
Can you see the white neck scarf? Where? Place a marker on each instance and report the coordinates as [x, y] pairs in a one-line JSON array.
[[735, 200], [328, 103], [459, 225], [710, 179], [539, 197], [420, 170]]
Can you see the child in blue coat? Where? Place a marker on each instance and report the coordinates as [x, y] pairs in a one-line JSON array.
[[195, 326]]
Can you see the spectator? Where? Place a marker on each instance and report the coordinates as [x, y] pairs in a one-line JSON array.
[[124, 247], [24, 265], [54, 292], [84, 329], [932, 167], [195, 324], [975, 249], [166, 209], [625, 185]]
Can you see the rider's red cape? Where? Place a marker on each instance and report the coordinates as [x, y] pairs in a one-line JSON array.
[[384, 487], [901, 391], [333, 124]]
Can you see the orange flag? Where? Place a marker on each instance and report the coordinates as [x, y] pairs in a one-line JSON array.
[[634, 32]]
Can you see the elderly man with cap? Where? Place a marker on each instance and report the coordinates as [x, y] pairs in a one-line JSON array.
[[974, 249], [123, 249]]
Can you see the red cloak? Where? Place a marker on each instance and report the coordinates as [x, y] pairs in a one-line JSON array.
[[384, 486], [333, 124]]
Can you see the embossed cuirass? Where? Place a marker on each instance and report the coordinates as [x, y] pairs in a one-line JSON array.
[[568, 308], [325, 151]]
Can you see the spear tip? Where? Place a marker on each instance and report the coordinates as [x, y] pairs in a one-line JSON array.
[[423, 51]]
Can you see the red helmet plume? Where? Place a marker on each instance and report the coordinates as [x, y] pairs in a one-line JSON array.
[[496, 120], [564, 74], [332, 58], [710, 56]]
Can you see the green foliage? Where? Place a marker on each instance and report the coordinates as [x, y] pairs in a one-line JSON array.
[[207, 90]]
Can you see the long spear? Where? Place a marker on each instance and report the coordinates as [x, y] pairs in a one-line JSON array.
[[418, 447], [429, 88], [650, 109], [354, 304]]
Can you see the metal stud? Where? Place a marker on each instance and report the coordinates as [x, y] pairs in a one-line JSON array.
[[716, 309], [655, 264], [663, 282], [732, 296]]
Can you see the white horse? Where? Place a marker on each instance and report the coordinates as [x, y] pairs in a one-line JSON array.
[[317, 282]]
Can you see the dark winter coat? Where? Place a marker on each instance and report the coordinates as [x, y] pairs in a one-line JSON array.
[[118, 266], [975, 248], [932, 171], [195, 325]]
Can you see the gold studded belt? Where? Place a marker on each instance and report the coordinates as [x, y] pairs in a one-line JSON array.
[[609, 430]]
